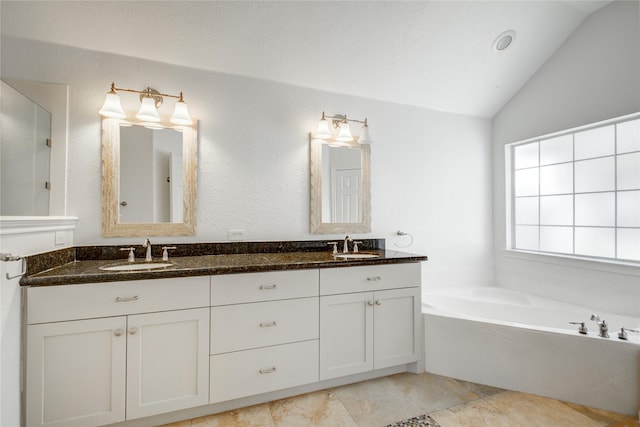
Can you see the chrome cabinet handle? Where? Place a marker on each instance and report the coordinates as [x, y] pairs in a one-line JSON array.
[[374, 278], [127, 299], [378, 302], [268, 370], [118, 332], [133, 331], [370, 303], [268, 287], [268, 324]]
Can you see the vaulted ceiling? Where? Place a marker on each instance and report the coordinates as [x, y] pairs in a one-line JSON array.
[[432, 54]]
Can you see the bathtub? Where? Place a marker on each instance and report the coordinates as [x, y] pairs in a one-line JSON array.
[[522, 342]]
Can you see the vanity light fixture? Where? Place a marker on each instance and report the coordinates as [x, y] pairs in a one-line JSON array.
[[150, 100], [341, 123]]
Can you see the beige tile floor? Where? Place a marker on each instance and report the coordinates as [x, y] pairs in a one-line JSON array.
[[379, 402]]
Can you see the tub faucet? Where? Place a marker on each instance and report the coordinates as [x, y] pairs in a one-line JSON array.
[[147, 244], [604, 327], [345, 247], [623, 333]]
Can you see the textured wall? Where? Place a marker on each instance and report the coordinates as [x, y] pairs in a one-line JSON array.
[[594, 76], [431, 170]]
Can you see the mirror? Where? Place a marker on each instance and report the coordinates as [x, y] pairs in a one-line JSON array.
[[33, 170], [149, 179], [25, 155], [340, 187]]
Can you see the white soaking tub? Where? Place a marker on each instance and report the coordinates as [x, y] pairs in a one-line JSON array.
[[522, 342]]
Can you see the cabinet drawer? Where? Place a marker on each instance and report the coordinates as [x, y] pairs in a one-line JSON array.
[[369, 278], [245, 326], [251, 372], [71, 302], [267, 286]]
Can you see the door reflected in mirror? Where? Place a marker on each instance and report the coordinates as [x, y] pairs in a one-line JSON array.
[[342, 179], [151, 188], [340, 187]]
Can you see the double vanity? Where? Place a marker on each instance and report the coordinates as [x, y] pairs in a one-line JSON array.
[[147, 336], [207, 333]]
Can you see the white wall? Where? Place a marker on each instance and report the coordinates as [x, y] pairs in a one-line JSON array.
[[593, 76], [431, 170]]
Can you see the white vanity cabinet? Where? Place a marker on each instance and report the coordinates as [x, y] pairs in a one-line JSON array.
[[107, 352], [370, 318], [264, 332]]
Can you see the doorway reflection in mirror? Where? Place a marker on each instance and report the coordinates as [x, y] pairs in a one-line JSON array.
[[151, 179]]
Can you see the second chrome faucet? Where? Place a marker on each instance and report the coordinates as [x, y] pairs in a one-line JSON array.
[[147, 244]]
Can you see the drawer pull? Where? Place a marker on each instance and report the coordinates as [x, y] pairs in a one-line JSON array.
[[268, 324], [374, 279], [267, 287], [118, 332], [268, 370], [127, 299], [133, 331]]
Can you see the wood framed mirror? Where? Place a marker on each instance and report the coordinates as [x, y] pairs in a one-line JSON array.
[[148, 179], [340, 187]]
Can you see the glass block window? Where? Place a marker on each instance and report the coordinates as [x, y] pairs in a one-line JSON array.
[[577, 192]]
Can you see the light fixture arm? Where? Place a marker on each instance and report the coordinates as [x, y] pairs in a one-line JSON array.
[[339, 119], [150, 100], [344, 136], [147, 92]]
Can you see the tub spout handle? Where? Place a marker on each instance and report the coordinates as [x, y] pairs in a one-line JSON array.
[[623, 333], [582, 328], [604, 329]]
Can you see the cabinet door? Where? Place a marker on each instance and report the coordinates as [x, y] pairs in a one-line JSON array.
[[167, 361], [346, 334], [76, 373], [396, 327]]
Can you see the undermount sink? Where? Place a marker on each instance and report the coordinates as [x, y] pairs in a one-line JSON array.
[[356, 256], [136, 266]]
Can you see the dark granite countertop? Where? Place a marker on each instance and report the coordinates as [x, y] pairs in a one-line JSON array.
[[88, 271]]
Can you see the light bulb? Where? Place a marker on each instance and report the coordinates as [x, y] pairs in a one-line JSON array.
[[344, 134], [148, 112], [365, 138], [322, 130], [181, 114], [112, 107]]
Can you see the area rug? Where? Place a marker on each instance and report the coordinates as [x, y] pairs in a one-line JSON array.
[[421, 421]]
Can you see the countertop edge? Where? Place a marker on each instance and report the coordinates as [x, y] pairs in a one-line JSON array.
[[110, 276]]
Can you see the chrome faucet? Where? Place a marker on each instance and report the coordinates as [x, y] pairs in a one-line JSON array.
[[345, 247], [147, 244], [604, 327]]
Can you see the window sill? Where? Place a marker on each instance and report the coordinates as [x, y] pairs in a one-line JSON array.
[[618, 267]]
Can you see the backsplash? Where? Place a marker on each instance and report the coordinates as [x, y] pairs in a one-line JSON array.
[[48, 260]]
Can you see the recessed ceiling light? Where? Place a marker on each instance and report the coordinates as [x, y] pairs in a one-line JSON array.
[[504, 41]]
